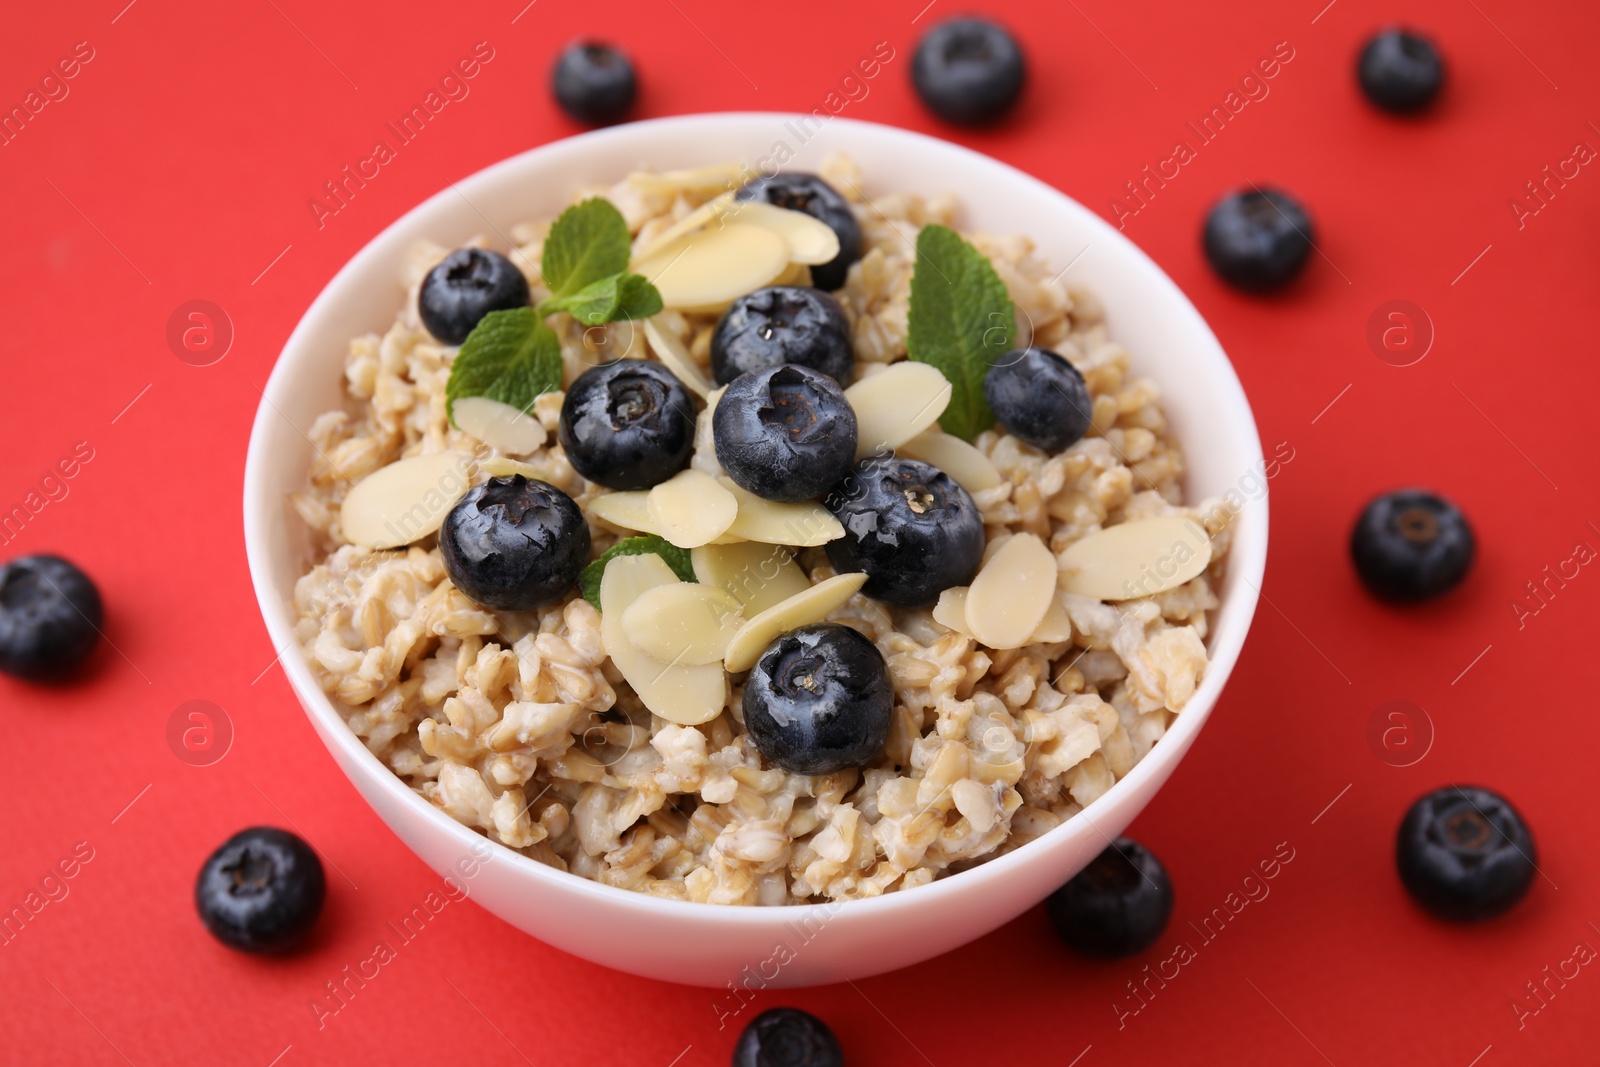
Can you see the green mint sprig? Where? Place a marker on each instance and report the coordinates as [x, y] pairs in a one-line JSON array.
[[961, 321], [675, 557]]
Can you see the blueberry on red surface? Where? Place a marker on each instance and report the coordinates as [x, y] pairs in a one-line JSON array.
[[627, 424], [787, 1037], [1400, 71], [261, 891], [467, 285], [783, 324], [50, 618], [1411, 545], [1039, 397], [909, 526], [514, 543], [594, 83], [968, 71], [1465, 853], [1259, 239], [802, 191], [786, 434], [819, 700], [1117, 906]]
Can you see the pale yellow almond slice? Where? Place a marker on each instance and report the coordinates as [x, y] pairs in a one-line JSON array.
[[682, 694], [813, 605], [405, 501], [969, 467], [684, 623], [799, 525], [810, 240], [691, 180], [676, 358], [1055, 626], [498, 425], [691, 508], [896, 404], [951, 610], [706, 271], [755, 574], [1135, 559], [501, 467], [794, 274], [698, 219], [628, 511], [1012, 592]]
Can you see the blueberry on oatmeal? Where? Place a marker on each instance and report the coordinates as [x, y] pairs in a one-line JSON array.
[[787, 1037], [1400, 71], [783, 324], [1465, 853], [909, 526], [50, 618], [627, 424], [785, 434], [514, 543], [801, 191], [1411, 545], [1117, 906], [261, 892], [594, 83], [968, 71], [465, 286], [819, 700], [1258, 240], [1039, 398]]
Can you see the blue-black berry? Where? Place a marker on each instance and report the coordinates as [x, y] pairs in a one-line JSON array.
[[1039, 397], [1400, 71], [261, 891], [783, 324], [787, 1037], [1411, 545], [819, 700], [1117, 906], [1464, 853], [467, 285], [50, 618], [1258, 240], [786, 434], [627, 424], [802, 191], [594, 83], [968, 71], [514, 543]]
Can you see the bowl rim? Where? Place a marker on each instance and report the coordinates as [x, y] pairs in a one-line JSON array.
[[258, 515]]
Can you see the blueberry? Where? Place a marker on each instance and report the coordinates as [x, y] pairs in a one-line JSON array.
[[968, 71], [909, 526], [787, 1037], [1117, 906], [783, 324], [50, 618], [1039, 397], [1258, 240], [1400, 71], [1465, 854], [627, 424], [467, 285], [261, 891], [786, 433], [594, 83], [514, 543], [819, 700], [1411, 545], [800, 191]]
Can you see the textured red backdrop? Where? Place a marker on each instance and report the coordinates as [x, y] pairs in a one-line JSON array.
[[178, 166]]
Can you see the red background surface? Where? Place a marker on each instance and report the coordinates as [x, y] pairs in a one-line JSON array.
[[179, 168]]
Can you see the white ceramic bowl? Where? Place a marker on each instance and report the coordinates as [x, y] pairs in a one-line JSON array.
[[706, 944]]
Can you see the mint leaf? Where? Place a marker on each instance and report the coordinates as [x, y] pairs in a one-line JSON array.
[[587, 242], [510, 356], [960, 321], [619, 296], [677, 558]]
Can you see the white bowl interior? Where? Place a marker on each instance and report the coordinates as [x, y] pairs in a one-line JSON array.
[[708, 944]]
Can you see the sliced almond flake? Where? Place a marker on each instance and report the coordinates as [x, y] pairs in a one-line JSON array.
[[969, 467], [501, 467], [706, 271], [682, 694], [800, 525], [951, 610], [755, 574], [676, 358], [684, 623], [405, 501], [692, 180], [1135, 559], [1055, 626], [626, 511], [794, 274], [498, 425], [691, 508], [813, 605], [810, 240], [697, 219], [1012, 592], [896, 404]]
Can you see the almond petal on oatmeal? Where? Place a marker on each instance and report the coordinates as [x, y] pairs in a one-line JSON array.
[[1055, 626], [951, 610], [678, 693], [498, 425], [1012, 592], [405, 501], [794, 274], [676, 358], [691, 180], [626, 511], [755, 574], [691, 508], [810, 240], [1135, 559], [896, 404], [501, 467], [800, 525], [969, 467], [813, 605], [698, 219], [705, 271], [684, 623]]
